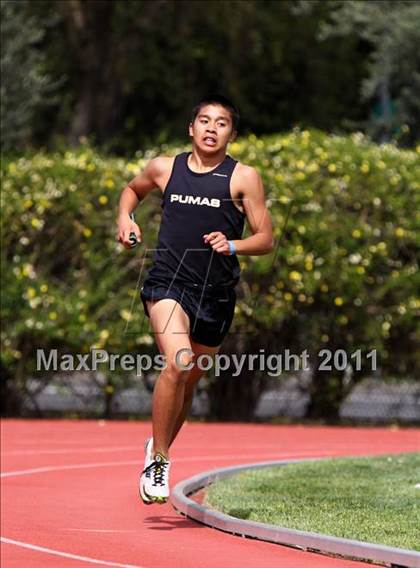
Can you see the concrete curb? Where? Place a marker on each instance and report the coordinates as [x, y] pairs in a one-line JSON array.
[[300, 539]]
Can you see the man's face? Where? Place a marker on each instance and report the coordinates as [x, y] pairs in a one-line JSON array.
[[212, 129]]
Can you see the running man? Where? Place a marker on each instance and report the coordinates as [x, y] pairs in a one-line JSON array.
[[189, 292]]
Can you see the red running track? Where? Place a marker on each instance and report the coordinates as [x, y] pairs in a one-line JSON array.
[[69, 492]]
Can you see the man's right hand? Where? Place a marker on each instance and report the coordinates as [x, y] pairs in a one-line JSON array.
[[125, 227]]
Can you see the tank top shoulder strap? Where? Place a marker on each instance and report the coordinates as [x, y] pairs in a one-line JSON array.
[[177, 168], [227, 166]]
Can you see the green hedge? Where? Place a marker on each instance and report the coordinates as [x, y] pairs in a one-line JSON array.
[[345, 273]]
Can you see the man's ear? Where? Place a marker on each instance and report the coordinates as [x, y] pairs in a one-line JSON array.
[[190, 129], [233, 136]]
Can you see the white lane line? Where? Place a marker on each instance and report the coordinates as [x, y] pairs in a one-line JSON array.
[[66, 554], [102, 530], [48, 469], [102, 449], [260, 456]]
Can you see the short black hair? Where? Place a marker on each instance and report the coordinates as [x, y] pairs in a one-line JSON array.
[[217, 99]]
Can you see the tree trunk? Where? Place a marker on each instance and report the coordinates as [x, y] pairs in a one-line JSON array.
[[89, 29], [234, 398], [325, 397]]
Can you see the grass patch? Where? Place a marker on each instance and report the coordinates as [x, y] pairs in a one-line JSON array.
[[367, 499]]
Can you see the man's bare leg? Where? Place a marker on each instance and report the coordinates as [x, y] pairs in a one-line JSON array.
[[171, 326], [193, 377]]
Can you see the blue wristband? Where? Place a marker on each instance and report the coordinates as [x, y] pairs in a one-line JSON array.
[[232, 248]]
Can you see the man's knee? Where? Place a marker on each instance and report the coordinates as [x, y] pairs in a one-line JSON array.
[[179, 366]]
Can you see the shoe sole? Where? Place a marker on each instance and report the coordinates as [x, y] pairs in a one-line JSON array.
[[143, 496], [157, 500]]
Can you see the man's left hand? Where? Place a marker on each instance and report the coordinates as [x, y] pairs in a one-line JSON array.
[[218, 242]]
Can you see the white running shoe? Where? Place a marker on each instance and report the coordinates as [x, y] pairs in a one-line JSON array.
[[155, 479], [148, 447]]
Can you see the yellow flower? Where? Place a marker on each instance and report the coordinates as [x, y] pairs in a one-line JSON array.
[[399, 232], [146, 339], [52, 316], [133, 168], [104, 334], [295, 275], [364, 168], [103, 199], [36, 223], [44, 288], [31, 293], [288, 296], [332, 168], [338, 301], [360, 270], [126, 315], [87, 232], [109, 183], [28, 270], [300, 164], [414, 303], [356, 233], [313, 167]]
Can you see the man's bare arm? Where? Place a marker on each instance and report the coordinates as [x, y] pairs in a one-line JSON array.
[[261, 242], [253, 198], [134, 192]]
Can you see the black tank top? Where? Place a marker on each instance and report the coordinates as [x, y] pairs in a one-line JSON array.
[[195, 204]]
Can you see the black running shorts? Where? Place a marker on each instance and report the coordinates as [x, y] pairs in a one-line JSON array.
[[209, 309]]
